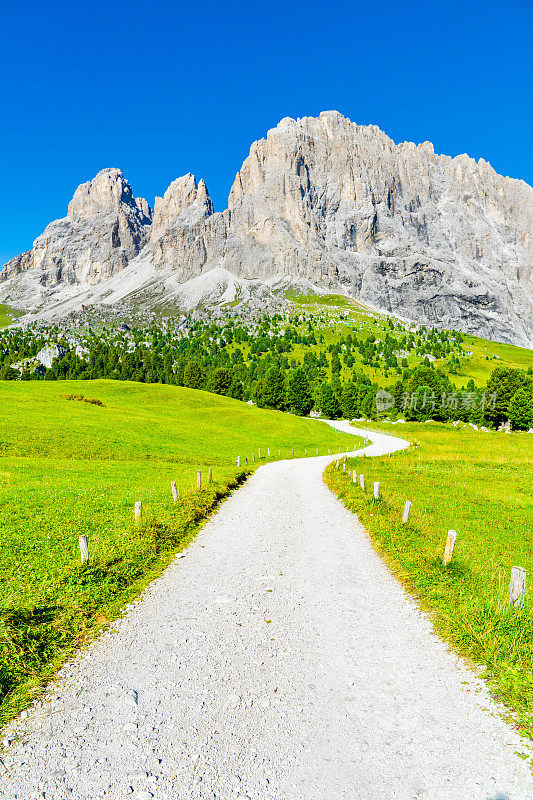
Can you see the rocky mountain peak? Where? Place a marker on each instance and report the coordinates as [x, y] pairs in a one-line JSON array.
[[440, 240], [104, 228], [184, 202], [109, 191]]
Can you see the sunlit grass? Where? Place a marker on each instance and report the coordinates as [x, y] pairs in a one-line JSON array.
[[69, 468], [478, 484]]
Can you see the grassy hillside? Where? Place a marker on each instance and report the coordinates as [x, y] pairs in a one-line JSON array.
[[70, 467], [478, 484], [7, 315], [337, 316]]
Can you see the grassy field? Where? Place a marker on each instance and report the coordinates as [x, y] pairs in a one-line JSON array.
[[7, 315], [348, 316], [478, 484], [70, 467]]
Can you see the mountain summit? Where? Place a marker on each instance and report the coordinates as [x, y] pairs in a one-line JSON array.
[[321, 200]]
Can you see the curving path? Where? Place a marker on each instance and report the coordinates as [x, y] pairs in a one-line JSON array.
[[278, 660]]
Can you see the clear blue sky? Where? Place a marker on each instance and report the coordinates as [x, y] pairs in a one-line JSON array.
[[159, 89]]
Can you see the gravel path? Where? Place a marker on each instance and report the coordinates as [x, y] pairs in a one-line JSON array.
[[278, 660]]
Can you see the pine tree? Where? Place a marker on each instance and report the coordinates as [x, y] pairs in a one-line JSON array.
[[299, 396], [328, 403], [521, 410]]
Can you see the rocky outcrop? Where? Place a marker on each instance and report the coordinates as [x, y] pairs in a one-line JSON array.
[[105, 227], [441, 240]]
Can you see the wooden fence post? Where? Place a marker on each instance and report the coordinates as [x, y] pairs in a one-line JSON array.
[[259, 453], [517, 588], [354, 476], [199, 480], [306, 451], [210, 475], [174, 490], [138, 511], [279, 452], [448, 550], [293, 450], [238, 461], [406, 510], [376, 490], [268, 451], [84, 548], [317, 451], [344, 466], [253, 457], [362, 482]]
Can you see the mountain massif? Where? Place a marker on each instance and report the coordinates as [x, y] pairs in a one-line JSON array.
[[321, 202]]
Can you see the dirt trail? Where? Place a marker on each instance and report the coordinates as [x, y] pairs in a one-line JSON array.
[[278, 660]]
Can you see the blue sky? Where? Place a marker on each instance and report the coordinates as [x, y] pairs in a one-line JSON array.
[[160, 89]]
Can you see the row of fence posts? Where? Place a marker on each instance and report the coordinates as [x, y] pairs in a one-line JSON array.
[[138, 511], [517, 587], [138, 507]]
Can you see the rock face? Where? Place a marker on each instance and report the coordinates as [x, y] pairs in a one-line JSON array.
[[105, 227], [440, 240]]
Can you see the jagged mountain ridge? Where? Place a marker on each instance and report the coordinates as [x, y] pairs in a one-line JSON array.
[[441, 240]]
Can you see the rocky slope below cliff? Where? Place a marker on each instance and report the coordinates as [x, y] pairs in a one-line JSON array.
[[322, 201]]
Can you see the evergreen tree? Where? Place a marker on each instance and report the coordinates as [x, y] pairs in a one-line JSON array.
[[501, 387], [273, 388], [220, 380], [328, 403], [299, 396], [521, 410], [192, 375], [349, 400]]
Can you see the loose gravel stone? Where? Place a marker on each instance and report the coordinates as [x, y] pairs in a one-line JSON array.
[[345, 694]]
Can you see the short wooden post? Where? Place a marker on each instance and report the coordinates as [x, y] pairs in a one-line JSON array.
[[354, 476], [448, 550], [362, 482], [138, 511], [406, 510], [518, 586], [329, 451], [337, 464], [259, 453], [174, 490], [306, 451], [292, 451], [84, 548], [317, 451], [210, 475], [238, 461], [253, 457], [279, 452], [344, 466], [376, 490], [268, 451], [199, 480]]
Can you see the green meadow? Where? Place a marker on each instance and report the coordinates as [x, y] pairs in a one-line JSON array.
[[69, 467], [349, 316], [478, 484], [7, 315]]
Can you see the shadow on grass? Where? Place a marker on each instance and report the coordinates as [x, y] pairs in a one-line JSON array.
[[27, 639]]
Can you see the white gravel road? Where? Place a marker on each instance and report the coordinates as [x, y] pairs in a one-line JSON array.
[[278, 660]]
